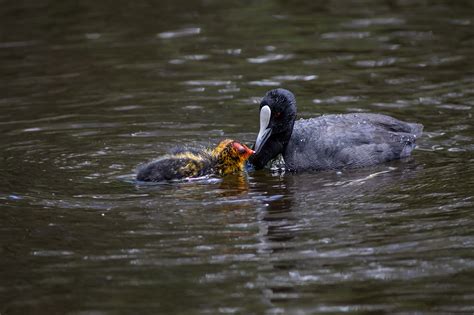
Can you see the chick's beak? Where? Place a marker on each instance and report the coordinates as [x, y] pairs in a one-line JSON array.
[[248, 152]]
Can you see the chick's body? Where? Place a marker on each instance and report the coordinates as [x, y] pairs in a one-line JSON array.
[[227, 158]]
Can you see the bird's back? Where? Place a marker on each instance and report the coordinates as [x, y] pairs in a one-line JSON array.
[[177, 166], [349, 141]]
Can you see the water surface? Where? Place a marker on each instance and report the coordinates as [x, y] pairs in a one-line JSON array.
[[90, 90]]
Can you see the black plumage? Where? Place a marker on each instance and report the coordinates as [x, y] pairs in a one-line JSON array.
[[330, 141]]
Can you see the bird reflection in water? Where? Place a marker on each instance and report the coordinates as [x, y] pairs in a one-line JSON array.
[[308, 216], [234, 185]]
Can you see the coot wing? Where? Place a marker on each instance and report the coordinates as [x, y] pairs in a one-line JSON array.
[[348, 141]]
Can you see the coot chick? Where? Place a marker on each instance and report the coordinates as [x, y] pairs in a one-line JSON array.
[[228, 157], [329, 141]]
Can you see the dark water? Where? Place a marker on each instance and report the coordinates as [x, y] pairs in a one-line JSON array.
[[91, 89]]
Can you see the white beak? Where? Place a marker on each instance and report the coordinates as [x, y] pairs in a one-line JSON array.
[[264, 132]]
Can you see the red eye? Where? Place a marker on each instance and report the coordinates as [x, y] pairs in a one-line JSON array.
[[277, 114]]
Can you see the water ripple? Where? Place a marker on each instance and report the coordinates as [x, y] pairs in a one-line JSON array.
[[19, 44], [374, 21], [455, 107], [265, 83], [270, 58], [337, 99], [295, 77], [377, 63], [190, 31], [345, 35], [208, 82]]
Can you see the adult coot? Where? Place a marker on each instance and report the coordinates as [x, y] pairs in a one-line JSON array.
[[227, 158], [329, 141]]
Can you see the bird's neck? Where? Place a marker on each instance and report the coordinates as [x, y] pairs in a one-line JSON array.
[[274, 146]]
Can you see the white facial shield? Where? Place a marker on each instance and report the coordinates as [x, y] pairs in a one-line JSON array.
[[264, 132]]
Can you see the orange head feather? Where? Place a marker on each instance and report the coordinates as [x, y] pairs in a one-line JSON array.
[[230, 156]]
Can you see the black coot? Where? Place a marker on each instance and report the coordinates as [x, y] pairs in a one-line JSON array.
[[329, 141]]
